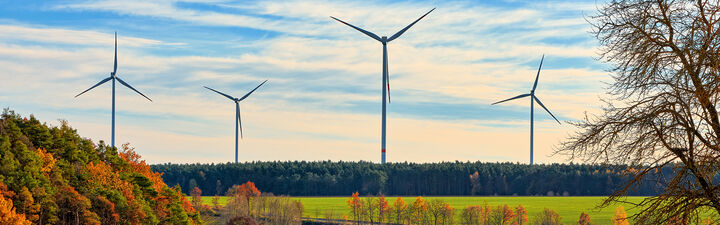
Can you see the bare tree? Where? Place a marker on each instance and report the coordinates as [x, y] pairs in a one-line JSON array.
[[663, 110]]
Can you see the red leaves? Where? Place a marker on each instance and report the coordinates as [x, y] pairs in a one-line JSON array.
[[248, 190]]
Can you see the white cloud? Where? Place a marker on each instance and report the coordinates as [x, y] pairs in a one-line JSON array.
[[461, 54]]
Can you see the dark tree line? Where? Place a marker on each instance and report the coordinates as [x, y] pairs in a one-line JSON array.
[[325, 178]]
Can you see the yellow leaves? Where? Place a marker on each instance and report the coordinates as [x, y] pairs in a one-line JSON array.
[[8, 214], [420, 204], [47, 158], [620, 217], [102, 173]]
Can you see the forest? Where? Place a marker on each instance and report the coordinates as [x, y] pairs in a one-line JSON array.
[[326, 178], [51, 175]]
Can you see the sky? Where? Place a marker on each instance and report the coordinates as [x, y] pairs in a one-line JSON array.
[[323, 97]]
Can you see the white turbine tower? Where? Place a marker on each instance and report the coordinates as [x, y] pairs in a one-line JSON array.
[[238, 122], [113, 77], [533, 98], [386, 76]]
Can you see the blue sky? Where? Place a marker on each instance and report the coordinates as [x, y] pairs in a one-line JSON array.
[[322, 101]]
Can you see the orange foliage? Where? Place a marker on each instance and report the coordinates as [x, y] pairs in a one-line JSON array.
[[383, 209], [419, 208], [74, 207], [185, 203], [420, 203], [399, 207], [7, 212], [399, 204], [355, 204], [196, 194], [248, 190], [507, 214], [521, 215], [139, 166], [584, 219], [104, 175], [47, 158], [106, 208]]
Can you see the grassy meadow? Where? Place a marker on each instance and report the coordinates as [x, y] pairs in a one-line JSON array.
[[569, 208]]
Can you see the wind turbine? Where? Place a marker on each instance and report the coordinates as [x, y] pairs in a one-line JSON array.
[[533, 98], [237, 113], [386, 76], [113, 77]]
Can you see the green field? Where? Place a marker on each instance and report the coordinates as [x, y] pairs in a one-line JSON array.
[[569, 208]]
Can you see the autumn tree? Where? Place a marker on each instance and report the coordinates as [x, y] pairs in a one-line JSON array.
[[447, 214], [502, 215], [8, 215], [383, 209], [196, 195], [584, 219], [248, 191], [475, 183], [418, 211], [547, 217], [370, 209], [74, 207], [620, 217], [663, 106], [470, 215], [55, 176], [241, 200], [106, 210], [399, 211], [435, 210], [356, 206], [521, 215]]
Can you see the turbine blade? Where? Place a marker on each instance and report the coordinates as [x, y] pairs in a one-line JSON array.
[[127, 85], [98, 84], [253, 90], [538, 73], [223, 94], [237, 108], [546, 109], [368, 33], [387, 74], [397, 35], [516, 97], [115, 66]]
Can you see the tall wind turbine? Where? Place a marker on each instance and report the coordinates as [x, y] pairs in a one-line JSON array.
[[533, 98], [237, 113], [113, 77], [386, 76]]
